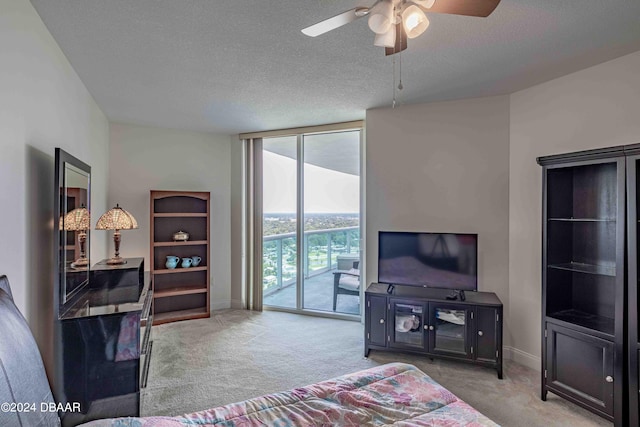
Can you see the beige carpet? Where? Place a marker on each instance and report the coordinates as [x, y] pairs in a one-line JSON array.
[[236, 355]]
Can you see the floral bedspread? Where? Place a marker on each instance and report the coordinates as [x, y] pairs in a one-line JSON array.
[[395, 394]]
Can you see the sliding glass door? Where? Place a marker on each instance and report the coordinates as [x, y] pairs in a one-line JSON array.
[[331, 221], [311, 222]]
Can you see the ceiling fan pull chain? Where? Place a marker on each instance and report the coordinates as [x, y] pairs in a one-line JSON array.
[[399, 87], [400, 66], [393, 104]]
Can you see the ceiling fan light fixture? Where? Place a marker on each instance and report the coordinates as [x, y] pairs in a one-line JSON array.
[[387, 39], [415, 21], [381, 18]]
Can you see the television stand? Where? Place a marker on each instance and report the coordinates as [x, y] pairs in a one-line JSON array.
[[420, 320]]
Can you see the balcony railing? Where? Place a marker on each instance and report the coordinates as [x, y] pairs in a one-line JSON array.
[[321, 249]]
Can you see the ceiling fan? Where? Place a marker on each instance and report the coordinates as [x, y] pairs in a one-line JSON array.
[[393, 21]]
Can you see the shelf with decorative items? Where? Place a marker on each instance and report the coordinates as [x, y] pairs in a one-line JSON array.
[[180, 253], [180, 270]]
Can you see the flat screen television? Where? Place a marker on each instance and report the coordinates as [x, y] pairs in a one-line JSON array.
[[433, 260]]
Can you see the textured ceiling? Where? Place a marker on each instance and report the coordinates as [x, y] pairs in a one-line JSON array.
[[241, 66]]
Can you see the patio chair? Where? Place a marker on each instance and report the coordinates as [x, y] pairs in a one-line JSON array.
[[346, 282]]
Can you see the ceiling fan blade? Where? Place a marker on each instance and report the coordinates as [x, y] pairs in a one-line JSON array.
[[335, 22], [401, 41], [481, 8]]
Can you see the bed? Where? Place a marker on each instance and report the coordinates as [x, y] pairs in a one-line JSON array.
[[395, 394]]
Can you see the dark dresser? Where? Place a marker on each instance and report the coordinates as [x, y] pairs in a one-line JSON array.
[[105, 343]]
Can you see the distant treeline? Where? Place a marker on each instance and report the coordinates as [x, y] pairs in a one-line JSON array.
[[286, 223]]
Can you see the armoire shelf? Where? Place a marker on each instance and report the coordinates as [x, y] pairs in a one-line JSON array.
[[579, 267], [590, 321], [583, 219], [180, 293]]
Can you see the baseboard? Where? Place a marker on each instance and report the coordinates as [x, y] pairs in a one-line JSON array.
[[522, 357]]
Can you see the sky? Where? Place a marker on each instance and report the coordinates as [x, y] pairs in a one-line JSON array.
[[326, 191]]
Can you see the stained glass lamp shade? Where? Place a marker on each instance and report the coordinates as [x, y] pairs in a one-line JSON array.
[[116, 219]]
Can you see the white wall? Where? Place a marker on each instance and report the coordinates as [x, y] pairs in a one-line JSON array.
[[442, 167], [43, 105], [595, 107], [147, 158]]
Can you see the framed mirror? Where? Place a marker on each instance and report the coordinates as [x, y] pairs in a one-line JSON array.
[[72, 226]]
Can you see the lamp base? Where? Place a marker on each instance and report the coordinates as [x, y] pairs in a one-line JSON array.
[[80, 263], [116, 261]]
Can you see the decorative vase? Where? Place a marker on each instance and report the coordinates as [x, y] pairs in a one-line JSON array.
[[172, 262]]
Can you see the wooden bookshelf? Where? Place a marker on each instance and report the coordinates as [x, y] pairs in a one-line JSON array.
[[180, 293]]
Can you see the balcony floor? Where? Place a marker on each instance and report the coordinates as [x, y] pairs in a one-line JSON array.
[[318, 295]]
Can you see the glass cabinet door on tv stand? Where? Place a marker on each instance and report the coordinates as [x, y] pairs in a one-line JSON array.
[[450, 329], [408, 325], [439, 328]]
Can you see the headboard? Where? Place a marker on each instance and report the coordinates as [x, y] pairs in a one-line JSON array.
[[22, 376]]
